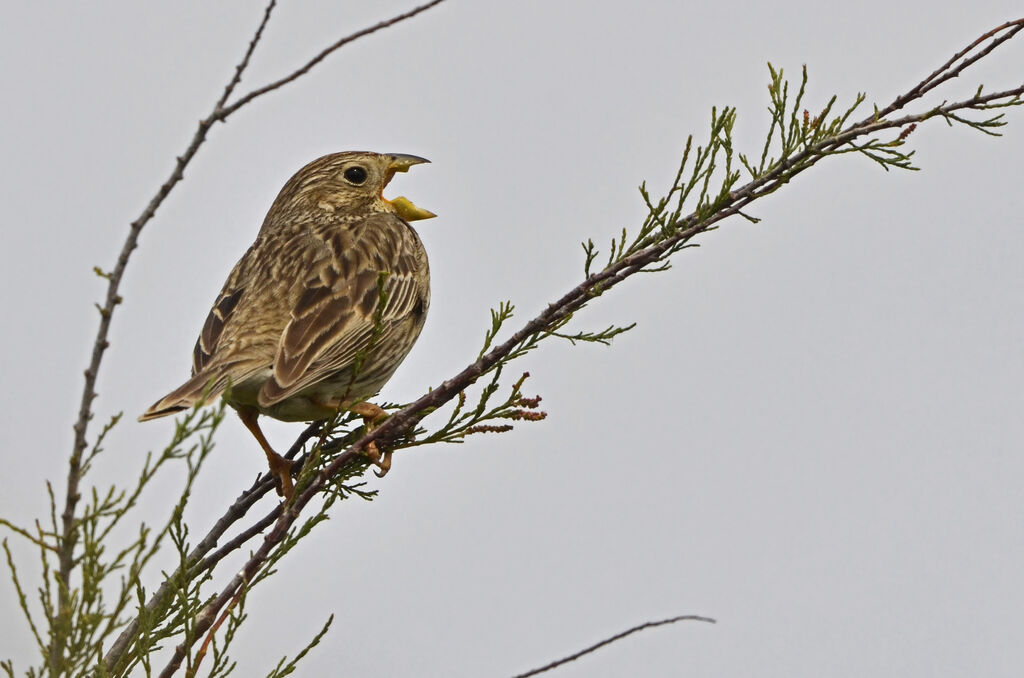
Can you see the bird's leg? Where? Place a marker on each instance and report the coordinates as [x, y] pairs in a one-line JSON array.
[[279, 466]]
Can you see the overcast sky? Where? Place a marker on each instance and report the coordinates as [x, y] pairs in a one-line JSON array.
[[813, 435]]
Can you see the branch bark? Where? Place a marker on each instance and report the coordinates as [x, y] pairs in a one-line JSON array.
[[608, 641]]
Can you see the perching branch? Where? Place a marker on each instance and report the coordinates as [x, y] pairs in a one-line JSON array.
[[220, 112], [802, 140]]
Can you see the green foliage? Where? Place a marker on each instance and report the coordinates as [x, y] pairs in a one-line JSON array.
[[153, 621], [485, 416], [988, 125], [106, 580], [285, 669], [706, 188]]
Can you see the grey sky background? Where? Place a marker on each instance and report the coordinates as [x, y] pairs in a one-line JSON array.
[[813, 434]]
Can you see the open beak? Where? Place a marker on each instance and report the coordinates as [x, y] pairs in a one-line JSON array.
[[401, 162], [403, 206]]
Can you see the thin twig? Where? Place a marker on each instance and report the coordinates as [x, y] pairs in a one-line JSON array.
[[235, 543], [244, 63], [323, 54], [100, 345], [687, 228], [608, 641], [946, 72]]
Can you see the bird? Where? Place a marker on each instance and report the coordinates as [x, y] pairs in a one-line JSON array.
[[321, 309]]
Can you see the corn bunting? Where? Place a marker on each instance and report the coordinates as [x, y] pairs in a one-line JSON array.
[[319, 312]]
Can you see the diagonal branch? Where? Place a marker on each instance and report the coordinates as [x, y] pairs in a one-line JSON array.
[[244, 63], [608, 641], [674, 236], [947, 72]]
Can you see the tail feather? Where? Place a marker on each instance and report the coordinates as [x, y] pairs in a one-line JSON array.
[[155, 412], [195, 390]]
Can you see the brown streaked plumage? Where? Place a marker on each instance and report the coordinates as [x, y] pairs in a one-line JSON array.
[[322, 308]]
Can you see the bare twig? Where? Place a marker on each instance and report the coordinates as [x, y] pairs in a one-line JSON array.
[[684, 229], [608, 641], [305, 68], [947, 72], [244, 63], [100, 345]]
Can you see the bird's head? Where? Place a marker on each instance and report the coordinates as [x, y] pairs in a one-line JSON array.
[[352, 181]]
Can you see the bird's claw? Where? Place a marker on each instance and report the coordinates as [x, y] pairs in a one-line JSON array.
[[282, 470], [381, 461], [373, 415]]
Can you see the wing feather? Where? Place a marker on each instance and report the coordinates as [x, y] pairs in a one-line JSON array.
[[219, 315], [305, 317], [336, 315]]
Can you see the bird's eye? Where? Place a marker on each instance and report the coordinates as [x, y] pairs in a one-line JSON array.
[[356, 174]]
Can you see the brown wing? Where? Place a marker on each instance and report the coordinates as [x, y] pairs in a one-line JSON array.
[[219, 315], [338, 315], [213, 371]]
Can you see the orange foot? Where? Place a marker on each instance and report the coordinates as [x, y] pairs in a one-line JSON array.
[[373, 416]]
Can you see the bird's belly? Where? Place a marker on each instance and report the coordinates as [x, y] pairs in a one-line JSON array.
[[321, 400]]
